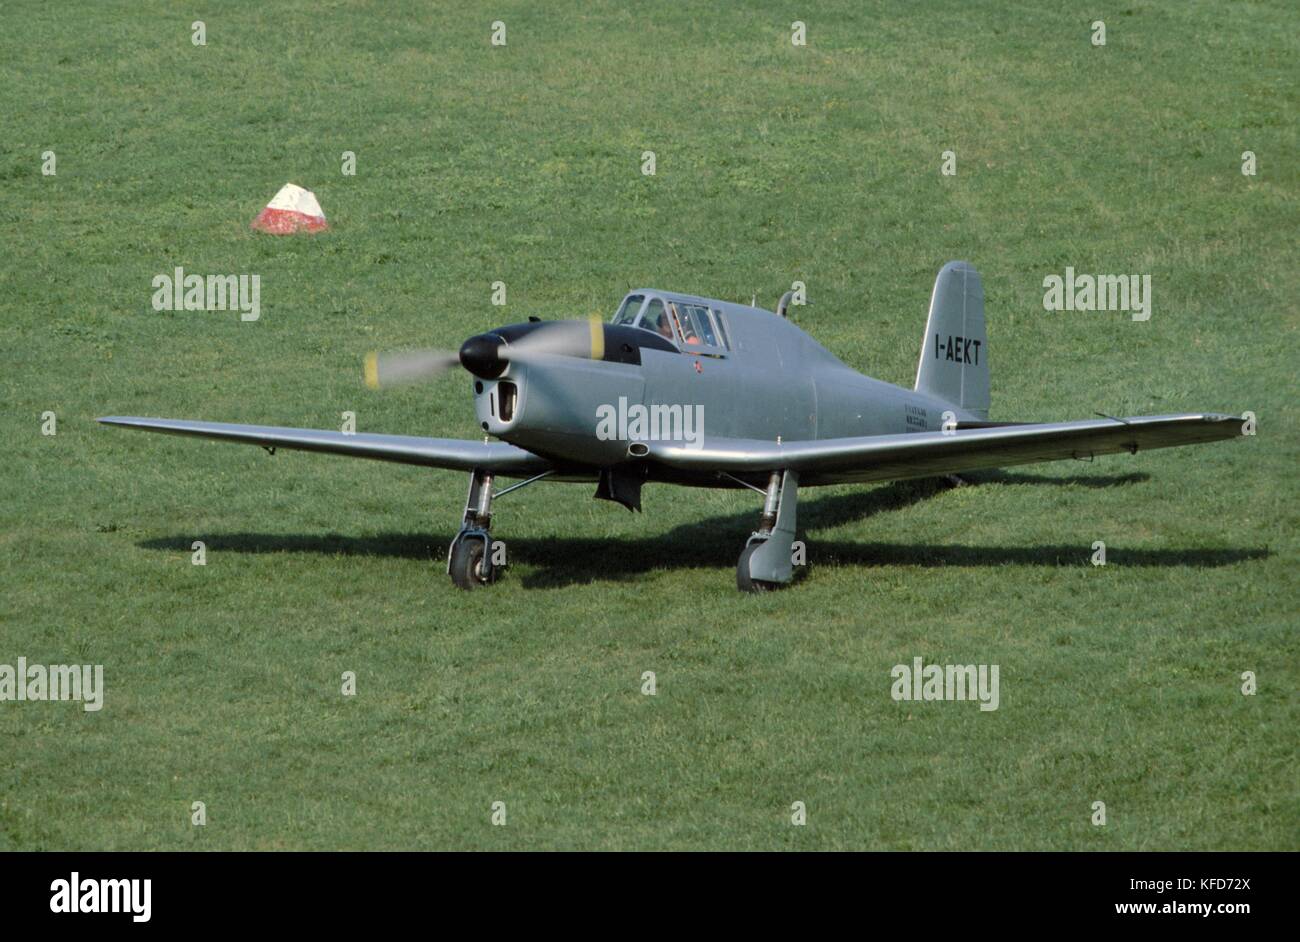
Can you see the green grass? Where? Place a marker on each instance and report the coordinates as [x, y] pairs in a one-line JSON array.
[[521, 164]]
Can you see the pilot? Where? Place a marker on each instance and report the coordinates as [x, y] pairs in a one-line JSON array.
[[664, 326], [688, 332]]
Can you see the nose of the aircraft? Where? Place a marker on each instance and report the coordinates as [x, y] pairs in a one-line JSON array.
[[480, 355]]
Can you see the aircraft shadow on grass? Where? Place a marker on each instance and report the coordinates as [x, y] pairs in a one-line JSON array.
[[712, 542]]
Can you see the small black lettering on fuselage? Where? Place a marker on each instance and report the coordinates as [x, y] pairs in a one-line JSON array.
[[959, 349]]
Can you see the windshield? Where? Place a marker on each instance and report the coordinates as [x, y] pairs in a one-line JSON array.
[[656, 319], [628, 311]]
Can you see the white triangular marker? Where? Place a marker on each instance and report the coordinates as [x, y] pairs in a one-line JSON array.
[[292, 210]]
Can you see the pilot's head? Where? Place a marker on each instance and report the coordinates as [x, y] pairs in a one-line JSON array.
[[663, 325]]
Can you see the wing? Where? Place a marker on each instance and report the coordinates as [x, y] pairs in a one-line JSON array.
[[497, 457], [922, 454]]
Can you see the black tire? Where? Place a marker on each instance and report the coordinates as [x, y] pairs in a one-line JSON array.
[[743, 582], [467, 564]]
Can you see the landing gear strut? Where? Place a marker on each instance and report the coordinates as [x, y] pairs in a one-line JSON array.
[[474, 559], [469, 560], [765, 562]]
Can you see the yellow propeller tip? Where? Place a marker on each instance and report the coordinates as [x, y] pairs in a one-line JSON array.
[[372, 370]]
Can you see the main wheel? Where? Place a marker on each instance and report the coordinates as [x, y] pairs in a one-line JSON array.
[[467, 564], [743, 582]]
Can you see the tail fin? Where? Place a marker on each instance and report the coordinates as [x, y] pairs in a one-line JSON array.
[[954, 363]]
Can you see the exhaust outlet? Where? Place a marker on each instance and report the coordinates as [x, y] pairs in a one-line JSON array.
[[638, 450]]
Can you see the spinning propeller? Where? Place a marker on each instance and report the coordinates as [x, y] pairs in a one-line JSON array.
[[487, 355]]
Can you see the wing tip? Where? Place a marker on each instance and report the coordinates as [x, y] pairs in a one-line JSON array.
[[1225, 418]]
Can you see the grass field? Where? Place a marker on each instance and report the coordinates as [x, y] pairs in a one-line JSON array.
[[521, 164]]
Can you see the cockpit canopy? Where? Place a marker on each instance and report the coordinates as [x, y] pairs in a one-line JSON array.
[[629, 309], [693, 325]]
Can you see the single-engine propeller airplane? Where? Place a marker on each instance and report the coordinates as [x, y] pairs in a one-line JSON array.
[[705, 393]]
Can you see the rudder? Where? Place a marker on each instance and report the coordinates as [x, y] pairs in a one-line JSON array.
[[954, 362]]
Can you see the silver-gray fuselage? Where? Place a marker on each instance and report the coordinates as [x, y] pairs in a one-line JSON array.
[[771, 381]]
